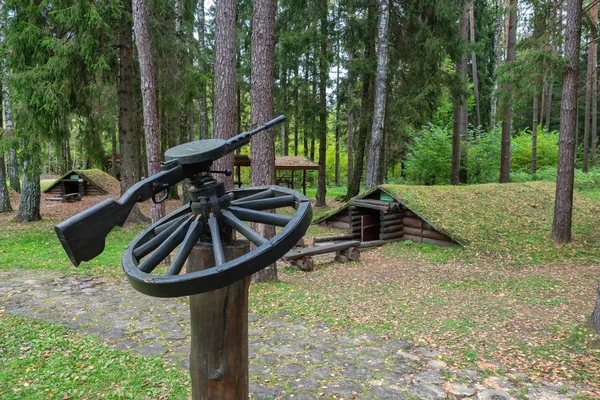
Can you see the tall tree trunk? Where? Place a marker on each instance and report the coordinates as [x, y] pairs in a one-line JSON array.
[[337, 113], [9, 129], [474, 62], [588, 106], [29, 206], [142, 41], [376, 144], [128, 143], [350, 122], [284, 106], [498, 46], [563, 205], [323, 75], [506, 107], [594, 320], [202, 62], [459, 126], [593, 51], [261, 103], [113, 145], [543, 102], [534, 129], [4, 198], [296, 111], [367, 103], [225, 72]]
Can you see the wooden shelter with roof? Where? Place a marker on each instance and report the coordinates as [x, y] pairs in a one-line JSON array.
[[378, 217], [285, 169], [78, 183]]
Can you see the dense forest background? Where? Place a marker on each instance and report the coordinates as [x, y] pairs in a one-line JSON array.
[[465, 92]]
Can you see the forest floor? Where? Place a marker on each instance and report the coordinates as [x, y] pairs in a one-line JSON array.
[[524, 323]]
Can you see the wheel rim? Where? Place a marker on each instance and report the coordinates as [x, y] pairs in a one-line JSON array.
[[183, 228]]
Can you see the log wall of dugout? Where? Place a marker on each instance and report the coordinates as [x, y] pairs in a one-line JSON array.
[[382, 221]]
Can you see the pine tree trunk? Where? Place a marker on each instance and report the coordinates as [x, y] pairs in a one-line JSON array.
[[4, 198], [497, 58], [323, 76], [9, 129], [506, 108], [534, 129], [337, 116], [262, 102], [296, 113], [588, 107], [543, 97], [594, 320], [593, 51], [128, 143], [225, 72], [203, 68], [474, 62], [563, 205], [376, 144], [142, 41], [367, 103], [459, 126], [29, 206], [350, 122]]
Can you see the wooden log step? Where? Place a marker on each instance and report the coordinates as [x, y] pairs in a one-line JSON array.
[[338, 225], [391, 228], [350, 254], [304, 263], [375, 243], [426, 233], [332, 238], [356, 222], [391, 235], [313, 251], [420, 239], [415, 222]]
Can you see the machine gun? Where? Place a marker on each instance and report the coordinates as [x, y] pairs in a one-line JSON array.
[[211, 216]]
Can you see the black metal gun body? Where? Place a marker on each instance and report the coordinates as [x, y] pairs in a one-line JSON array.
[[83, 235]]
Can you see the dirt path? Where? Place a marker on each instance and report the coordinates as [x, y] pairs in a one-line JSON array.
[[289, 357]]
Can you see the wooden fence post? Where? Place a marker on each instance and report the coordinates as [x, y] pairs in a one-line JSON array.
[[219, 331]]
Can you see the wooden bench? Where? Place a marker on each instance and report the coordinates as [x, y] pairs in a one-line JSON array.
[[345, 251], [66, 198]]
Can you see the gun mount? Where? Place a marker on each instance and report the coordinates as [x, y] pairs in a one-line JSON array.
[[212, 216]]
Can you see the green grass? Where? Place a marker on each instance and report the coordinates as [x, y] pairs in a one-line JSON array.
[[593, 193], [509, 223], [43, 360], [35, 246]]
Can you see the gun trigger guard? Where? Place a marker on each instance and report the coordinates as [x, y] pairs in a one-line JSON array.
[[162, 199]]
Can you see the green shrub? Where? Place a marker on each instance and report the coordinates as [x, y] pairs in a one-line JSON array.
[[429, 157], [547, 150], [483, 157]]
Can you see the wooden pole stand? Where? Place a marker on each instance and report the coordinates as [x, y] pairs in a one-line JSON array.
[[219, 331]]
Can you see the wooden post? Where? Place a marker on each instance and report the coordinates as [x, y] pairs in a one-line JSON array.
[[219, 331], [293, 179], [304, 181]]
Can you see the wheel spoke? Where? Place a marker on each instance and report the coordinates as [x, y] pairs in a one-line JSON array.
[[216, 240], [187, 245], [246, 214], [145, 249], [256, 196], [165, 248], [168, 224], [268, 204], [250, 234]]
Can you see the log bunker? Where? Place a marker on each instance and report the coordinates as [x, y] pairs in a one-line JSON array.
[[378, 217]]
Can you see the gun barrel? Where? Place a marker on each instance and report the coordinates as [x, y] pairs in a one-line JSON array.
[[243, 138]]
